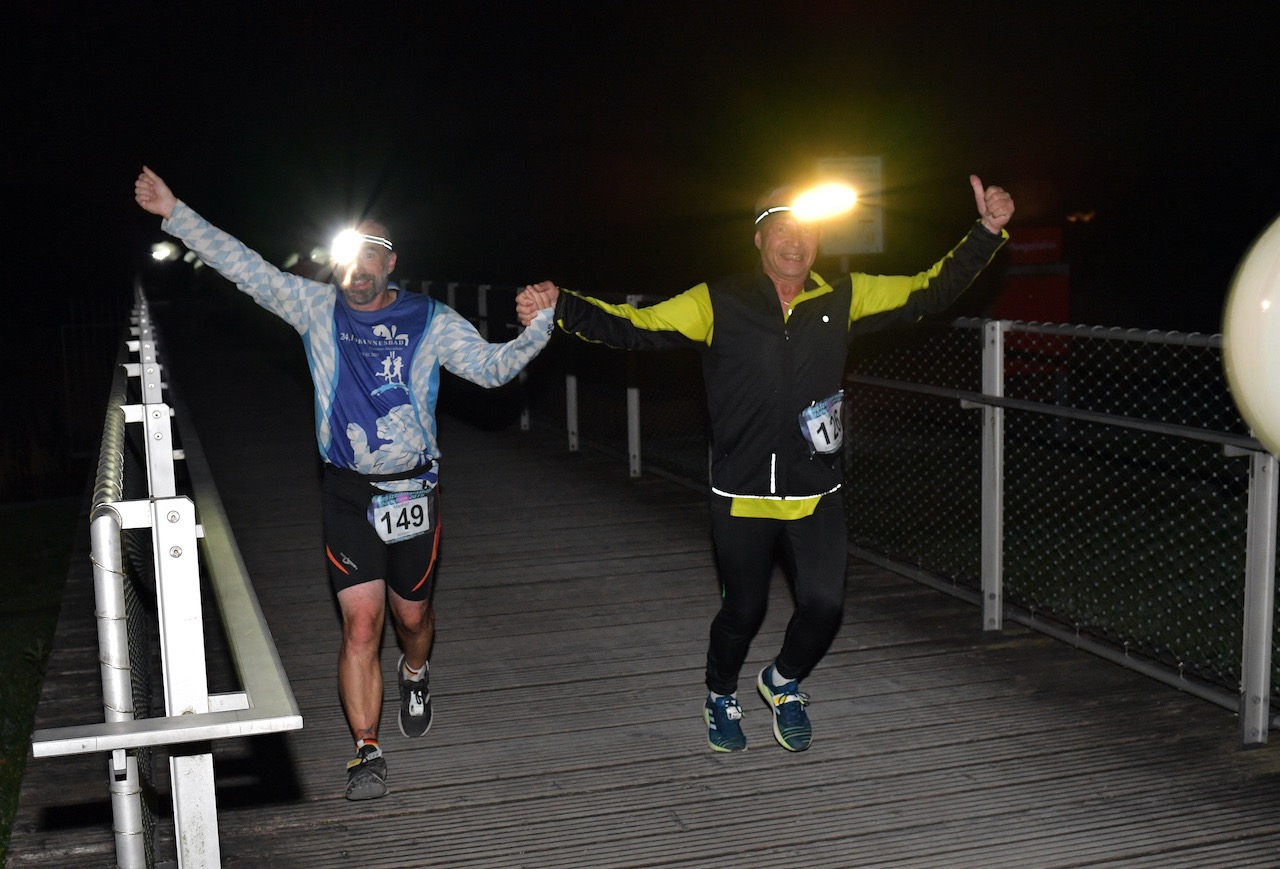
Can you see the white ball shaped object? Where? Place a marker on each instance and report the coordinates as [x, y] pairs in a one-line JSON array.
[[1251, 338]]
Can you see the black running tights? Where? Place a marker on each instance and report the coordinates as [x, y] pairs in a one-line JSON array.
[[814, 553]]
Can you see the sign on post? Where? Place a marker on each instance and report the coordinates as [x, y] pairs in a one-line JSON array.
[[862, 229]]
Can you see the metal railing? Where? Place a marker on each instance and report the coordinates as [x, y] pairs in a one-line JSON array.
[[149, 543], [1100, 493], [1096, 484]]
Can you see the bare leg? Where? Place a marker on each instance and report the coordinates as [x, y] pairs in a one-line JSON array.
[[415, 624], [359, 666]]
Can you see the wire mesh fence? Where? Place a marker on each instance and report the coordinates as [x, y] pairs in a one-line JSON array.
[[1133, 536]]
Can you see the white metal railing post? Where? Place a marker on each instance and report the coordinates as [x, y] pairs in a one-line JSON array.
[[148, 368], [186, 686], [156, 420], [177, 567], [993, 477], [152, 411], [1259, 601]]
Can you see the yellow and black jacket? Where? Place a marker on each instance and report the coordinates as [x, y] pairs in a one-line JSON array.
[[763, 365]]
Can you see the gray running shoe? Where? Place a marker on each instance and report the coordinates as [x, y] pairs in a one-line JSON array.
[[415, 702], [367, 774]]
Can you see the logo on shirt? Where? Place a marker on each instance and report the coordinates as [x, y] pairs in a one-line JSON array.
[[392, 373], [383, 336], [391, 366], [390, 333]]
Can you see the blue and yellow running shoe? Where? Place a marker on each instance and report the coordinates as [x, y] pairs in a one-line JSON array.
[[724, 733], [790, 721]]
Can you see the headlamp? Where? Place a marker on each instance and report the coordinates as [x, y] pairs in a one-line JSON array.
[[346, 245], [817, 203]]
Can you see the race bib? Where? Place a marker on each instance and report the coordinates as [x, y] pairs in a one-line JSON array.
[[820, 423], [398, 516]]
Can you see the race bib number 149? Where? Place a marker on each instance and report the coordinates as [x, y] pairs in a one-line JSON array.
[[398, 516]]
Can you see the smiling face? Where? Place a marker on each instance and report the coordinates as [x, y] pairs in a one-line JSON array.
[[788, 248], [364, 279]]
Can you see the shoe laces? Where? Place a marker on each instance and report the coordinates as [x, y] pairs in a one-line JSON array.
[[417, 705], [729, 706], [788, 694], [366, 753]]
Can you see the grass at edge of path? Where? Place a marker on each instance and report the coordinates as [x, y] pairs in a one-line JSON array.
[[35, 549]]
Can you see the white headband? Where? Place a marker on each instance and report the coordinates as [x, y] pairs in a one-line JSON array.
[[768, 211]]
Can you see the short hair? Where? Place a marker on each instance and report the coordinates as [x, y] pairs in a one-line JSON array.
[[377, 229], [776, 201]]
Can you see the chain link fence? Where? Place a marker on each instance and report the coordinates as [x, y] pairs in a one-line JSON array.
[[1132, 534]]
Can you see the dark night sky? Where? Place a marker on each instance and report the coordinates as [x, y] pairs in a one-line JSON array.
[[621, 150]]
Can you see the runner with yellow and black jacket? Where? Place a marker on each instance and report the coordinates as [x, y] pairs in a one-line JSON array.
[[774, 344], [763, 363]]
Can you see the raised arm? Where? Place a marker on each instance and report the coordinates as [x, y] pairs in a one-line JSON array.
[[153, 194], [879, 302], [295, 299], [995, 205]]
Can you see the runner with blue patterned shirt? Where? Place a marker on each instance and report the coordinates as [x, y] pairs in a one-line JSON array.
[[375, 353]]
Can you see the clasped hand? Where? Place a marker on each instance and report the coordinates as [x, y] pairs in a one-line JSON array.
[[535, 297]]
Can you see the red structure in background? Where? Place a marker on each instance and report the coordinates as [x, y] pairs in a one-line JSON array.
[[1036, 288], [1037, 281]]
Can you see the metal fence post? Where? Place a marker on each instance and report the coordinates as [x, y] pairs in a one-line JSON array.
[[525, 414], [1259, 601], [482, 310], [571, 409], [126, 810], [117, 685], [633, 430], [993, 477], [156, 421], [633, 403], [186, 685]]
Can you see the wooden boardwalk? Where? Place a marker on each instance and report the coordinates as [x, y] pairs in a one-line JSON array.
[[573, 607]]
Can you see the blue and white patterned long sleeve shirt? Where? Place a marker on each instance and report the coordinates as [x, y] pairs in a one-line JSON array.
[[376, 373]]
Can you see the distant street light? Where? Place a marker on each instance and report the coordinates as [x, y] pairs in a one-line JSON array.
[[164, 251]]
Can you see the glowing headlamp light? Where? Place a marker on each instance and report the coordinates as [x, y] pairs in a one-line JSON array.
[[346, 245], [819, 203]]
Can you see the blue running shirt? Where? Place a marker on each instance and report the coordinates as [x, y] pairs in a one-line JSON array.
[[376, 373]]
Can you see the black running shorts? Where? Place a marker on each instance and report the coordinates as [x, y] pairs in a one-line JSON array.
[[355, 553]]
